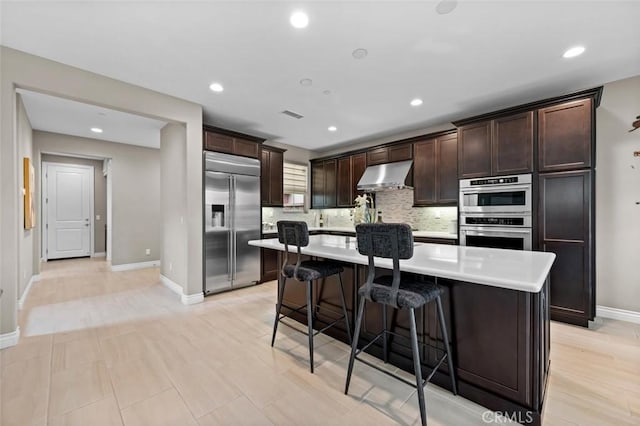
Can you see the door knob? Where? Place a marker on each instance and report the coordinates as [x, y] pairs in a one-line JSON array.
[[86, 224]]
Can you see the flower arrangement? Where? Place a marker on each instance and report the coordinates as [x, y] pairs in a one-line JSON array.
[[362, 213]]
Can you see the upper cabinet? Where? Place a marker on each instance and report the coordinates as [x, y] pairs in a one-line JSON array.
[[271, 179], [435, 171], [323, 183], [389, 154], [221, 140], [350, 170], [495, 147], [565, 135]]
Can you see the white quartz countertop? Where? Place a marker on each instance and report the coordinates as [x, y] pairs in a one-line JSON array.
[[423, 234], [512, 269]]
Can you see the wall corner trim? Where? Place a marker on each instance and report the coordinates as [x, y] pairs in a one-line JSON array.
[[132, 266], [10, 339], [186, 299], [23, 298], [618, 314]]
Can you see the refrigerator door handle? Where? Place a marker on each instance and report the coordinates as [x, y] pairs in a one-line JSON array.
[[233, 229], [229, 224]]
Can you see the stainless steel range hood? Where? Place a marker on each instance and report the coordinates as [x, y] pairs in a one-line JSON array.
[[385, 176]]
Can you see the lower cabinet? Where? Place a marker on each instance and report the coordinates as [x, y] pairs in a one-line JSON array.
[[269, 267]]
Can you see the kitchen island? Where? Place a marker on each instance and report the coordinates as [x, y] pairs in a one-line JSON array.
[[496, 308]]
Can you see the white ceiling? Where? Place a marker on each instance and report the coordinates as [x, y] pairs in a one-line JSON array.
[[53, 114], [481, 57]]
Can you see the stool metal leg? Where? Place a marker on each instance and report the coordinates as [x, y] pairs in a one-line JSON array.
[[281, 282], [354, 344], [310, 321], [344, 309], [416, 365], [385, 352], [445, 337]]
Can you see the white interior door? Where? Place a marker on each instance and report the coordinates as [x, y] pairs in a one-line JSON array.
[[69, 205]]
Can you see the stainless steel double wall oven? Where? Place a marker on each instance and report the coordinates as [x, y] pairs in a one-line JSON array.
[[496, 212]]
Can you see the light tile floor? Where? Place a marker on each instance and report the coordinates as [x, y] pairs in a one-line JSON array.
[[114, 348]]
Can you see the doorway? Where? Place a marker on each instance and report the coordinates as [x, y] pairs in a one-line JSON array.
[[68, 202]]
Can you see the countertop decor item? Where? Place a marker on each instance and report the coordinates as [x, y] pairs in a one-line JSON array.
[[364, 211]]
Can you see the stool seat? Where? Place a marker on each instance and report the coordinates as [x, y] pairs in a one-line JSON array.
[[411, 293], [312, 270]]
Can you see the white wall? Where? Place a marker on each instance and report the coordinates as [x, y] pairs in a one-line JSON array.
[[617, 192], [26, 239], [136, 191], [22, 70], [173, 203]]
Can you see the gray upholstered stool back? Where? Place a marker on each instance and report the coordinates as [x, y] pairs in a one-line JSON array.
[[388, 240], [294, 233]]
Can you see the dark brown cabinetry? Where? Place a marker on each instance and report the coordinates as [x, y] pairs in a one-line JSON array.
[[496, 147], [435, 171], [565, 135], [221, 140], [271, 179], [389, 154], [350, 170], [566, 229], [323, 183], [269, 265]]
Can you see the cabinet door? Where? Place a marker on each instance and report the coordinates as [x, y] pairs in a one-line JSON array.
[[265, 172], [269, 265], [565, 229], [400, 152], [245, 148], [424, 172], [358, 165], [317, 185], [377, 156], [276, 164], [330, 182], [565, 136], [447, 169], [512, 144], [474, 150], [345, 197], [487, 320], [217, 142]]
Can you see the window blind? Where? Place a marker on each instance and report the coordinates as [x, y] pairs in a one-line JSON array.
[[295, 178]]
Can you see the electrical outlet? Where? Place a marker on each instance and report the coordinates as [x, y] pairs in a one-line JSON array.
[[148, 252], [170, 266], [97, 217]]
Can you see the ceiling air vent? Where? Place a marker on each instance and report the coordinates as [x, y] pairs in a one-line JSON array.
[[292, 114]]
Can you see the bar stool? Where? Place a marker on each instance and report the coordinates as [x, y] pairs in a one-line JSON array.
[[297, 233], [395, 241]]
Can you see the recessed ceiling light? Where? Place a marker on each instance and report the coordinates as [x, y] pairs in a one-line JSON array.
[[216, 87], [326, 92], [96, 130], [573, 52], [299, 19], [416, 102], [359, 53], [446, 6], [332, 128], [306, 82]]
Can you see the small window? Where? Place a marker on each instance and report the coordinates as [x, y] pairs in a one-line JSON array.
[[294, 187]]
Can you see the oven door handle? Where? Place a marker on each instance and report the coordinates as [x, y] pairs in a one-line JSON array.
[[489, 233], [508, 188]]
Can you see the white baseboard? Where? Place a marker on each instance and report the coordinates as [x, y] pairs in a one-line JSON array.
[[9, 339], [171, 285], [132, 266], [192, 299], [618, 314], [186, 299], [99, 254], [23, 298]]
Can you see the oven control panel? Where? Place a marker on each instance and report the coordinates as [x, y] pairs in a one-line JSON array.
[[504, 221]]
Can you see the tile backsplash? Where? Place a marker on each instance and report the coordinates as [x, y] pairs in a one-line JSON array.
[[396, 206]]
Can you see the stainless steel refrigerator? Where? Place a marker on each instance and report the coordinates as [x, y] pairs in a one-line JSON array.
[[231, 219]]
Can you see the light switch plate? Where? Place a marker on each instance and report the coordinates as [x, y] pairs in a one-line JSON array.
[[97, 217]]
